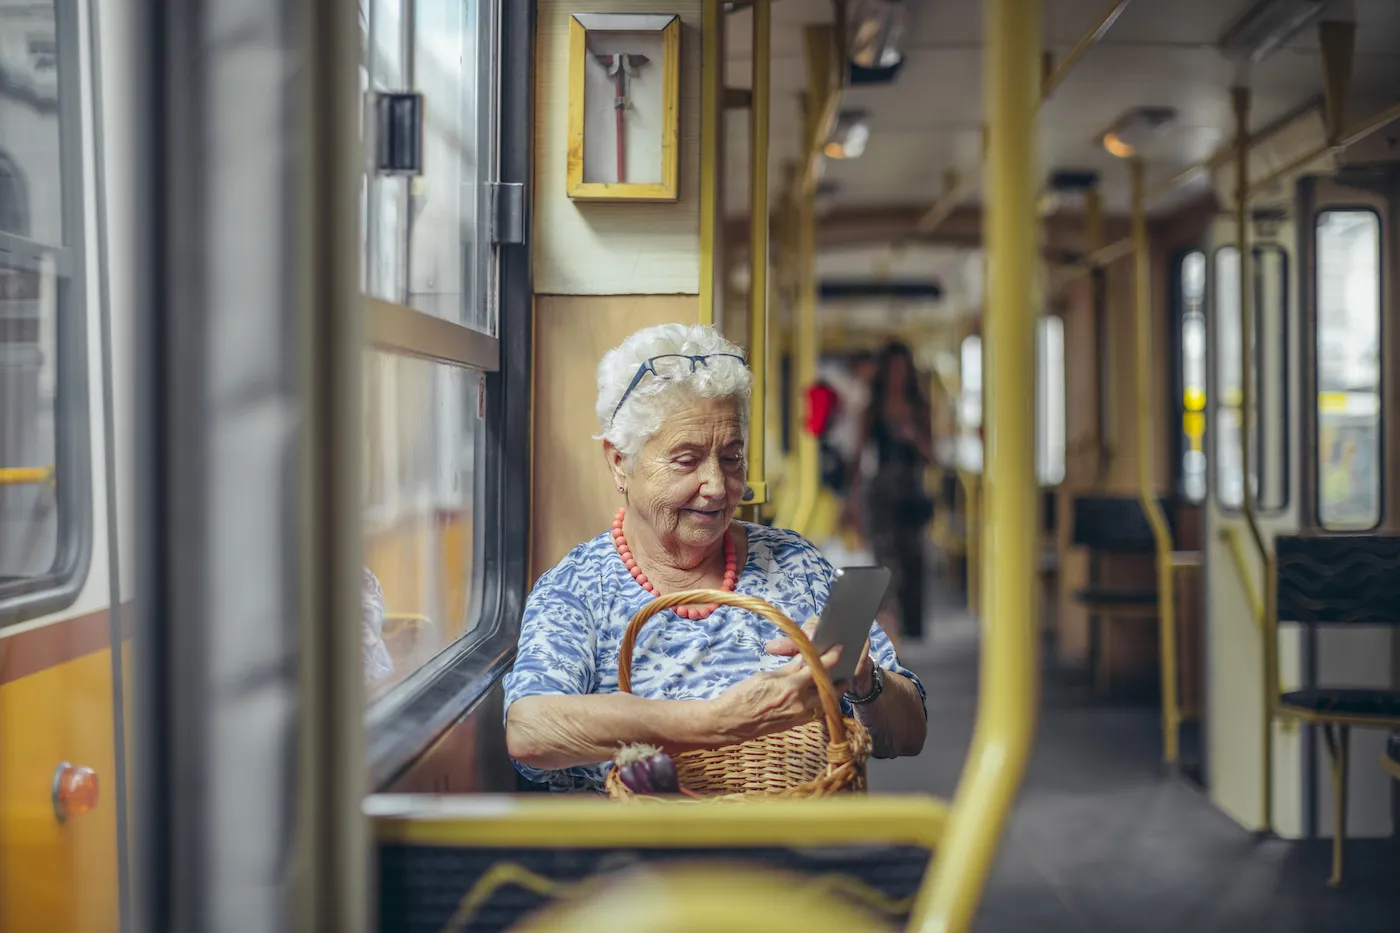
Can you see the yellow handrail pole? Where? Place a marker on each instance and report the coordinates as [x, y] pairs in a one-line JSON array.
[[1086, 42], [804, 367], [1239, 99], [1147, 492], [821, 103], [759, 253], [1008, 685], [711, 92]]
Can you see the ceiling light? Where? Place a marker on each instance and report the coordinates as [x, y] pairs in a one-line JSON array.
[[1268, 27], [1132, 131], [849, 135], [876, 27]]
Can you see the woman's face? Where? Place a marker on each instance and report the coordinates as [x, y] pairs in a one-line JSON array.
[[689, 477]]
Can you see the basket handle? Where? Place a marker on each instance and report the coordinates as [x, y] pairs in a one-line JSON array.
[[826, 690]]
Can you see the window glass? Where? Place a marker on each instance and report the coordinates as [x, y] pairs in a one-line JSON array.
[[41, 327], [1268, 379], [1348, 369], [423, 437], [1050, 401], [1228, 464], [1192, 289], [1270, 274], [443, 268], [970, 406], [386, 208]]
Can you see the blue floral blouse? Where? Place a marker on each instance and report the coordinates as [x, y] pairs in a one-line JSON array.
[[576, 614]]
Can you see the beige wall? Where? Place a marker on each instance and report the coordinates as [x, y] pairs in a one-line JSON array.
[[602, 270], [572, 497], [607, 248]]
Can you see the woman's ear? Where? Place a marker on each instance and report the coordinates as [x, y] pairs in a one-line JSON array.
[[617, 465]]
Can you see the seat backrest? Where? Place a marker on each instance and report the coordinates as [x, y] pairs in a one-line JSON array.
[[1115, 523], [1339, 579]]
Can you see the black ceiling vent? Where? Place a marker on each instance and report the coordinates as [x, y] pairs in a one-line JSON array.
[[1070, 180], [846, 289], [874, 76]]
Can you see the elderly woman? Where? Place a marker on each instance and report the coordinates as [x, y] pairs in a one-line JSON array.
[[673, 403]]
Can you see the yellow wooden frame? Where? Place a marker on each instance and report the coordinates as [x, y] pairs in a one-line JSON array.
[[668, 189]]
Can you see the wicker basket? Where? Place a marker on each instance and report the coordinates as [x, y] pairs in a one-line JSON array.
[[818, 758]]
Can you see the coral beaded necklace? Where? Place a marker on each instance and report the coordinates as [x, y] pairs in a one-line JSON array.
[[731, 573]]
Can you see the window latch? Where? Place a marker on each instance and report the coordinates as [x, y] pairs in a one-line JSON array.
[[398, 137], [507, 213]]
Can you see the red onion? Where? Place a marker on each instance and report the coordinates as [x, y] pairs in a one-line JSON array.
[[646, 769]]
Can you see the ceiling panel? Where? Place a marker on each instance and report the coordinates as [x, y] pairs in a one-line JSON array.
[[1157, 53]]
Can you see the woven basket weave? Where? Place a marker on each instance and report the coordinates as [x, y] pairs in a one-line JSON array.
[[818, 758]]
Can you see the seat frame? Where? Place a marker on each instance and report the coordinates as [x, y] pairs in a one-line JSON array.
[[1336, 726]]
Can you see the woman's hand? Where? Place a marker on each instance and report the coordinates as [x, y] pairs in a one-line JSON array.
[[771, 701], [860, 683]]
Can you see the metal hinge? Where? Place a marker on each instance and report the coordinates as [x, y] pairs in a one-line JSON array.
[[507, 213]]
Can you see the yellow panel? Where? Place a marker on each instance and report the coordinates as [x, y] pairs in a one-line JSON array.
[[489, 821], [57, 876]]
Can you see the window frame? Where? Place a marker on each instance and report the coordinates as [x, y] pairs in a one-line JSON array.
[[1215, 394], [32, 597], [403, 721], [1314, 386]]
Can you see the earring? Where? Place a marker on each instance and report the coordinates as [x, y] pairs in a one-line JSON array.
[[622, 489]]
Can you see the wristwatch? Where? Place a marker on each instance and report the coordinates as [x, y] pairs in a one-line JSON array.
[[877, 687]]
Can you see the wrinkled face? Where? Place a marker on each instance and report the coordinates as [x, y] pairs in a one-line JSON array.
[[689, 478]]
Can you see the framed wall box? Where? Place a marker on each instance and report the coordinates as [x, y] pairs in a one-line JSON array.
[[624, 106]]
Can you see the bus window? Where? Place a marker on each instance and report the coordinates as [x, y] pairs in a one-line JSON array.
[[1267, 449], [970, 406], [44, 467], [1348, 370], [1191, 287], [1050, 401], [430, 274], [422, 441]]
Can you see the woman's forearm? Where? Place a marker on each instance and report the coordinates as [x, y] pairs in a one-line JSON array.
[[896, 718], [552, 732]]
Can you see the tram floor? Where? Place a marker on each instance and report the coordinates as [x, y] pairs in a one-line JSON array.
[[1103, 840]]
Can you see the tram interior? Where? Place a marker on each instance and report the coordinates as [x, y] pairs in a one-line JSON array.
[[1115, 236]]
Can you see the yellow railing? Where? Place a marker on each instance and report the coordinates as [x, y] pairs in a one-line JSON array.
[[758, 249], [1147, 492], [1006, 706]]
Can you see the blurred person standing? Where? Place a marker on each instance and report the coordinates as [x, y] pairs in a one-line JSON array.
[[889, 501]]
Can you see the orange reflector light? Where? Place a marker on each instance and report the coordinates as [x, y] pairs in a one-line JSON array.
[[74, 791]]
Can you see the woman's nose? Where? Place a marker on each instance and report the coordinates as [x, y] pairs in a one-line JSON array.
[[711, 479]]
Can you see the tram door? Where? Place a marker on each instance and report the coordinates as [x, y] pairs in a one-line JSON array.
[[1235, 570], [1349, 418]]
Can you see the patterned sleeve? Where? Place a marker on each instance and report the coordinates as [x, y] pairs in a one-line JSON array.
[[555, 655], [821, 573]]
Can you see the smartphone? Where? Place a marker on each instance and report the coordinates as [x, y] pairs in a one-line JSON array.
[[856, 594]]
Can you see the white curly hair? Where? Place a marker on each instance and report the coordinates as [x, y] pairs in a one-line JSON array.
[[654, 397]]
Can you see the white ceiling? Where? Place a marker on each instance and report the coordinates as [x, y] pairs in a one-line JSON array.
[[929, 121]]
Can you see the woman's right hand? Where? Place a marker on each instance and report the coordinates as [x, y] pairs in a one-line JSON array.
[[771, 701]]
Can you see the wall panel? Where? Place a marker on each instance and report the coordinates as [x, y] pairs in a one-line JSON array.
[[572, 492]]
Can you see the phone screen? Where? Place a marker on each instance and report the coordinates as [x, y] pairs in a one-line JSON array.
[[850, 609]]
